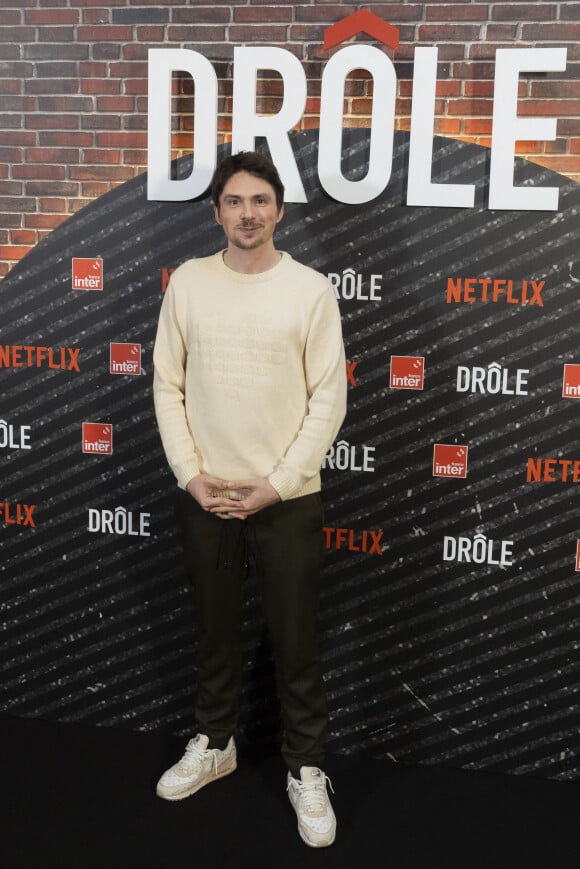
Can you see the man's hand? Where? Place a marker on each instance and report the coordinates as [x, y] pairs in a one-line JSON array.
[[235, 499], [256, 494], [215, 495]]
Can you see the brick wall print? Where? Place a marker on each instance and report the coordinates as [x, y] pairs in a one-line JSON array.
[[74, 85]]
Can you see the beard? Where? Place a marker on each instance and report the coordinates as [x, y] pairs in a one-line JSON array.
[[252, 242]]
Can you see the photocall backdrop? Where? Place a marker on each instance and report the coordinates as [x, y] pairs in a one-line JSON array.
[[449, 613], [438, 648]]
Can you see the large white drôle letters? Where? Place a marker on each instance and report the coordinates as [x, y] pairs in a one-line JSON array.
[[248, 125]]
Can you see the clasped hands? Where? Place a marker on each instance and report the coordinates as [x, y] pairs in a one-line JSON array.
[[232, 499]]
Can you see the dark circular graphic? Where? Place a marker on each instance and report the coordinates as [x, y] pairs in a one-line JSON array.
[[449, 615]]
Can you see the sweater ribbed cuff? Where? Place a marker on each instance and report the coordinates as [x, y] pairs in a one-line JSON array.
[[285, 487], [288, 489], [186, 472]]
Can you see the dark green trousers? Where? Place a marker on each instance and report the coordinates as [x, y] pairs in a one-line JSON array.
[[285, 543]]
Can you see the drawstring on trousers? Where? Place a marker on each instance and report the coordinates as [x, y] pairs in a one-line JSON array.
[[236, 541]]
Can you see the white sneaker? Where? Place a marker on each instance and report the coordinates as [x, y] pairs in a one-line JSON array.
[[316, 819], [199, 766]]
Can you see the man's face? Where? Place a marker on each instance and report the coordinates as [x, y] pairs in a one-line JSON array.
[[247, 211]]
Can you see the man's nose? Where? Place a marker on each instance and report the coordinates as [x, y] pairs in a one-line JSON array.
[[247, 210]]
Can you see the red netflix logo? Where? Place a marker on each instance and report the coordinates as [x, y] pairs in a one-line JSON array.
[[125, 359], [578, 556], [165, 278], [87, 273], [571, 383], [450, 460], [98, 438], [407, 372], [355, 541]]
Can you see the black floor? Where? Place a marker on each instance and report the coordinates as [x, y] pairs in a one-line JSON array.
[[75, 797]]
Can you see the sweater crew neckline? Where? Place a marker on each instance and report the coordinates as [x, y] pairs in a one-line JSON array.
[[258, 277]]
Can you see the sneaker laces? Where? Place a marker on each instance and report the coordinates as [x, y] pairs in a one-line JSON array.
[[313, 794], [194, 756]]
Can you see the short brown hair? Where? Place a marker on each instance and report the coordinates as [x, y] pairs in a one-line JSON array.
[[251, 162]]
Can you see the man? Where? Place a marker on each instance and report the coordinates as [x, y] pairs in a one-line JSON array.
[[250, 391]]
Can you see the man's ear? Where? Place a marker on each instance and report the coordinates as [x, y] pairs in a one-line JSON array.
[[280, 215], [216, 213]]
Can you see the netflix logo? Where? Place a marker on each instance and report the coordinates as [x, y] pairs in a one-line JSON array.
[[165, 278], [98, 438], [407, 372], [17, 514], [125, 359], [87, 273], [450, 460], [355, 541]]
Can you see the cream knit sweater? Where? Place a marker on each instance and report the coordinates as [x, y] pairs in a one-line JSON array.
[[250, 375]]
